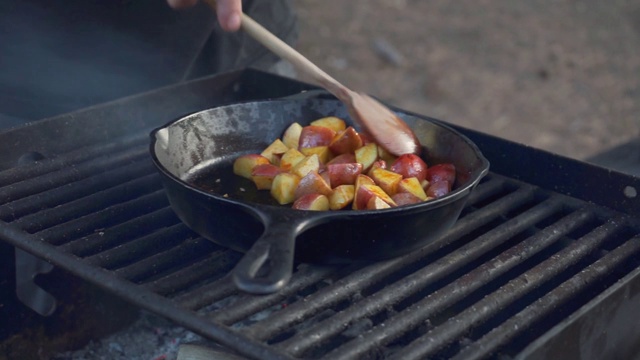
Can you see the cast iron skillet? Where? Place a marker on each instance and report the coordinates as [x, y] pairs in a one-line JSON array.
[[194, 156]]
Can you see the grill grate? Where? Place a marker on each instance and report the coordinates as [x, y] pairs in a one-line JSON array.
[[520, 260], [516, 253]]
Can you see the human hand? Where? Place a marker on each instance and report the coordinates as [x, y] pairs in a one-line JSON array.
[[228, 11]]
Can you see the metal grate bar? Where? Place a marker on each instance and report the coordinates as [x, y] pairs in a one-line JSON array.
[[73, 173], [456, 326], [149, 244], [247, 305], [218, 263], [506, 261], [205, 295], [86, 205], [436, 270], [102, 219], [358, 280], [186, 252], [117, 234], [145, 299], [21, 173], [214, 292], [69, 192], [544, 306]]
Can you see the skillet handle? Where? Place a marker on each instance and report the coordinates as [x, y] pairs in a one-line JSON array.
[[273, 252]]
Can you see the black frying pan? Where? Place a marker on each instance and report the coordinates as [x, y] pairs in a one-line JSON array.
[[195, 154]]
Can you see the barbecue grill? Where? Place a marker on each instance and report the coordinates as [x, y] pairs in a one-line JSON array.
[[543, 263]]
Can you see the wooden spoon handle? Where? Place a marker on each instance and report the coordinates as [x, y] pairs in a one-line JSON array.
[[301, 63], [286, 52]]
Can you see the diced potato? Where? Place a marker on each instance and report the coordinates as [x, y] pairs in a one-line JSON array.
[[274, 151], [334, 123], [306, 165], [312, 183], [385, 155], [263, 175], [323, 152], [341, 197], [412, 185], [367, 155], [284, 186], [312, 136], [291, 136], [244, 165], [315, 202], [376, 203], [346, 141], [290, 159], [365, 192], [387, 180]]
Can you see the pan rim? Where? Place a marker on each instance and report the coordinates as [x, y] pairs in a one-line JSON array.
[[452, 196]]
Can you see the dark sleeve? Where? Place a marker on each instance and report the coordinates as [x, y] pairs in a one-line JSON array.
[[68, 54]]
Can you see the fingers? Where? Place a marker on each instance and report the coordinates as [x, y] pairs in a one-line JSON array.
[[181, 4], [229, 12]]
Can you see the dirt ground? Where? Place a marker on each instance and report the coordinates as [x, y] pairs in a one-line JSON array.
[[563, 76]]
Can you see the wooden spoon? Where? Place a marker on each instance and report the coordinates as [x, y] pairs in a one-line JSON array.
[[373, 117]]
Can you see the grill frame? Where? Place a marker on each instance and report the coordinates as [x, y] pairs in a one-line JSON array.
[[601, 199]]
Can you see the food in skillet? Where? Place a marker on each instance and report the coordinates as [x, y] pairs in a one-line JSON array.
[[328, 165]]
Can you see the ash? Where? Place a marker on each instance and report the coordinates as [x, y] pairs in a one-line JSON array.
[[149, 338]]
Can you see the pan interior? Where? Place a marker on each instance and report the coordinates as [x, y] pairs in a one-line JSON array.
[[200, 148]]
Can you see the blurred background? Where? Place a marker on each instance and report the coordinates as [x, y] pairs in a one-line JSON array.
[[563, 76]]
